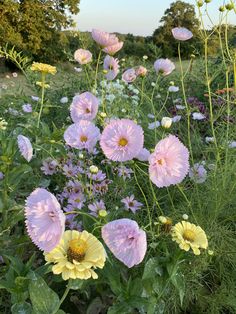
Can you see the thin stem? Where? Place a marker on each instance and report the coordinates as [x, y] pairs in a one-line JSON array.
[[63, 297], [42, 98], [96, 72]]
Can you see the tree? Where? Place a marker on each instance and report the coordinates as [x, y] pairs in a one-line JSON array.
[[34, 26], [180, 14]]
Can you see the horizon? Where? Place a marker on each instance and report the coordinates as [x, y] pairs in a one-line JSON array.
[[116, 19]]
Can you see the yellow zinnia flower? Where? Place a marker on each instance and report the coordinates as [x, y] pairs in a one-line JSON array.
[[77, 255], [188, 236], [44, 68]]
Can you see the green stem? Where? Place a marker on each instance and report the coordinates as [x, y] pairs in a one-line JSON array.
[[42, 98], [96, 72], [63, 297]]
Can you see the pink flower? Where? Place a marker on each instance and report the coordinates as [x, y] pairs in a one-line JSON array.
[[45, 220], [126, 241], [112, 49], [83, 56], [169, 164], [104, 39], [122, 140], [141, 71], [84, 107], [182, 33], [164, 66], [82, 135], [25, 147], [129, 76], [112, 66], [143, 155]]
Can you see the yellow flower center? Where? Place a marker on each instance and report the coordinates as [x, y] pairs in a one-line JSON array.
[[160, 162], [83, 138], [76, 251], [123, 142], [189, 235]]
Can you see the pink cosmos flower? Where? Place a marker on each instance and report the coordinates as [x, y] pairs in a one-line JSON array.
[[112, 66], [122, 140], [83, 56], [25, 147], [112, 49], [169, 164], [129, 76], [125, 240], [45, 220], [131, 203], [104, 39], [141, 71], [143, 155], [84, 107], [82, 135], [164, 66], [182, 33]]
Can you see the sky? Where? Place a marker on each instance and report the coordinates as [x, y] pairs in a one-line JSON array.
[[139, 17]]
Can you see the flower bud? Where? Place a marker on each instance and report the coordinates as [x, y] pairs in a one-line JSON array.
[[103, 114], [222, 8], [200, 3], [102, 213], [93, 169], [210, 252], [81, 156], [145, 57], [162, 219], [207, 1], [229, 6], [166, 122], [172, 83], [185, 216]]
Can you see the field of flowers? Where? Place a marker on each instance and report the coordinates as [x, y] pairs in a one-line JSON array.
[[118, 183]]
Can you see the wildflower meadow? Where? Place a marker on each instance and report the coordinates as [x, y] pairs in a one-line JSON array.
[[118, 177]]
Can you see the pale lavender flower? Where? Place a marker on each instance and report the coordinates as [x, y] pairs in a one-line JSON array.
[[143, 155], [49, 166], [111, 65], [173, 89], [35, 98], [69, 170], [198, 116], [176, 119], [182, 33], [126, 241], [1, 176], [25, 147], [64, 100], [164, 66], [232, 144], [129, 76], [131, 203], [198, 173], [27, 108], [76, 200], [96, 207], [153, 125], [124, 172], [99, 176]]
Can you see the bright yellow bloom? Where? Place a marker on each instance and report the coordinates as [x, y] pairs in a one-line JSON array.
[[44, 68], [188, 236], [77, 255]]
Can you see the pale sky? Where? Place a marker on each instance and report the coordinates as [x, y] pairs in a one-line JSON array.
[[139, 17]]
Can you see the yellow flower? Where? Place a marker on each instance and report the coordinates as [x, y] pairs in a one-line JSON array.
[[77, 255], [3, 124], [188, 236], [43, 84], [44, 68]]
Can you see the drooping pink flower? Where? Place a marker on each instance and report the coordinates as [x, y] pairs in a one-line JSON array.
[[45, 220], [83, 56], [111, 65], [104, 39], [141, 71], [84, 107], [125, 240], [25, 147], [129, 76], [164, 66], [122, 140], [182, 33], [169, 164], [82, 135], [112, 49], [143, 155]]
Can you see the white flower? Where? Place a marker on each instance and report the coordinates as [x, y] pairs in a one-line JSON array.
[[232, 144], [198, 173], [198, 116], [78, 69], [180, 107], [173, 89], [64, 100], [166, 122], [25, 147], [151, 116], [209, 139]]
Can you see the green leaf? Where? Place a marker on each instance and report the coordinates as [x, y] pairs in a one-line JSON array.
[[152, 268], [76, 284], [44, 300], [119, 308], [96, 306], [21, 308], [179, 284]]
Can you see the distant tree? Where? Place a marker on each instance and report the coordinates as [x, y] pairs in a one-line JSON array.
[[34, 26], [180, 14]]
